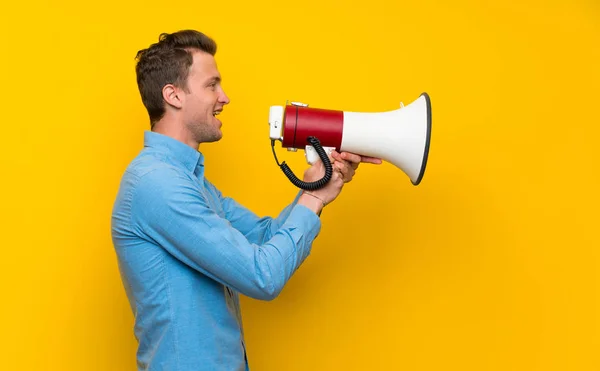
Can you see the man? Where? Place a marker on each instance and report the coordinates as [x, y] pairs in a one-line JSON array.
[[185, 251]]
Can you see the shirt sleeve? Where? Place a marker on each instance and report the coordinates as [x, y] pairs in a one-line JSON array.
[[256, 229], [169, 209]]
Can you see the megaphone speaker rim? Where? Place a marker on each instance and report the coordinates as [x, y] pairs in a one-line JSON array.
[[427, 140]]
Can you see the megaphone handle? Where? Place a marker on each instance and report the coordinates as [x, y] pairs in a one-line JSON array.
[[312, 155], [309, 186]]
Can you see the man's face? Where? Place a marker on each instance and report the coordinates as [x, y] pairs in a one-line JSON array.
[[205, 99]]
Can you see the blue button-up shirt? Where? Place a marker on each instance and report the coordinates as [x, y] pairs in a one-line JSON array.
[[185, 253]]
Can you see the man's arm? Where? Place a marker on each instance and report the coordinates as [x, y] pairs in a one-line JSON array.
[[168, 209], [256, 229]]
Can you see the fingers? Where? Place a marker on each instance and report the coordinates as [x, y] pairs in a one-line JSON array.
[[345, 170], [340, 178], [350, 157], [346, 163], [371, 160], [338, 175], [355, 159]]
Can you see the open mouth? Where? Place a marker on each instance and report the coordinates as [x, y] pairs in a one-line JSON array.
[[215, 113]]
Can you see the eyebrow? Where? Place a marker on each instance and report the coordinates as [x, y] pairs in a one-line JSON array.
[[214, 79]]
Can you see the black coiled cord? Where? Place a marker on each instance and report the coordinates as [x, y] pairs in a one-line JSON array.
[[309, 186]]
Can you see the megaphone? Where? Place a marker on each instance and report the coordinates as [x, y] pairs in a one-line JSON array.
[[400, 137]]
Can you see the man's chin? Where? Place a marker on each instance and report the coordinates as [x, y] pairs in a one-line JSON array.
[[215, 137]]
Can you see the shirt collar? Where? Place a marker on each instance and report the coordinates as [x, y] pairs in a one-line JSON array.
[[189, 157]]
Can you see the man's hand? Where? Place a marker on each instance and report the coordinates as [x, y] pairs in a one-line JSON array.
[[344, 167], [317, 199], [347, 163]]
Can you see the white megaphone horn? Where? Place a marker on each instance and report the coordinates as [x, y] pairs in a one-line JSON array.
[[400, 137]]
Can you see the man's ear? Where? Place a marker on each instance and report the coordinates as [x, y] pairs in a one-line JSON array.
[[172, 95]]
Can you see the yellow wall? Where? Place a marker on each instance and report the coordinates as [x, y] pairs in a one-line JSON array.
[[491, 263]]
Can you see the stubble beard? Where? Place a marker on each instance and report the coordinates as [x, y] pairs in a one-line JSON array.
[[204, 132]]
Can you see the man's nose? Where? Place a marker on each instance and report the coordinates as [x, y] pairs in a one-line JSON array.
[[224, 98]]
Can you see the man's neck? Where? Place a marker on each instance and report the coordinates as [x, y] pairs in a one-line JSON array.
[[177, 132]]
